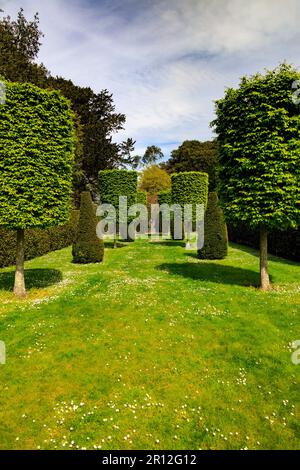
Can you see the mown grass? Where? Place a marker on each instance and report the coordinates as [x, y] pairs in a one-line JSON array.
[[152, 349]]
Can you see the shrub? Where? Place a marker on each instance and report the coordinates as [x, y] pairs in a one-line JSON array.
[[115, 183], [87, 247], [215, 235], [190, 188], [37, 241]]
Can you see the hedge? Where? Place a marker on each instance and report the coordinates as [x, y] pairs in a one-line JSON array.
[[36, 157], [189, 188], [87, 247], [141, 198], [38, 242], [285, 244], [165, 197], [115, 183], [215, 231]]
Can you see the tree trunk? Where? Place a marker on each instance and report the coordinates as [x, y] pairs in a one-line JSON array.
[[115, 243], [19, 289], [264, 275]]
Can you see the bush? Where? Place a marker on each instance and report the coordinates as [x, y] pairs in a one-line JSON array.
[[189, 188], [281, 243], [87, 248], [38, 242], [115, 183], [215, 235]]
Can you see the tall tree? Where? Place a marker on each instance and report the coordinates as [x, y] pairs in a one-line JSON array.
[[20, 41], [152, 155], [258, 127], [193, 155]]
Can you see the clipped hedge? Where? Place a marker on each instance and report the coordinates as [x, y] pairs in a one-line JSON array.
[[189, 188], [36, 157], [38, 242], [115, 183], [285, 244], [141, 198], [165, 197], [215, 231], [87, 247]]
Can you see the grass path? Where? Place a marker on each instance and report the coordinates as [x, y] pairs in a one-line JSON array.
[[153, 349]]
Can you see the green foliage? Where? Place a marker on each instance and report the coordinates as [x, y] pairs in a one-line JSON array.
[[87, 247], [165, 197], [189, 188], [259, 151], [141, 198], [284, 244], [215, 236], [36, 157], [152, 155], [193, 155], [115, 183], [154, 180], [37, 241]]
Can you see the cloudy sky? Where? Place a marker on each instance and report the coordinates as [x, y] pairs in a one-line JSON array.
[[165, 61]]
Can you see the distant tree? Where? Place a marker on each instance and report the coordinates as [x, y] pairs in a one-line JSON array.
[[193, 155], [36, 161], [258, 127], [154, 180], [20, 41], [152, 155], [126, 159]]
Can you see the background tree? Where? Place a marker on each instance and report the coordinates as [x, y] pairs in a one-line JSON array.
[[152, 155], [36, 162], [259, 155], [126, 159], [87, 247], [193, 155], [154, 180]]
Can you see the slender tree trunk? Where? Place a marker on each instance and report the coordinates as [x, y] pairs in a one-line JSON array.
[[115, 242], [264, 275], [19, 289]]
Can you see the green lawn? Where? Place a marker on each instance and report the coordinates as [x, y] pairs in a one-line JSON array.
[[152, 349]]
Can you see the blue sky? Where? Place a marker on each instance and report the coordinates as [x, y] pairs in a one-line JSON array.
[[165, 61]]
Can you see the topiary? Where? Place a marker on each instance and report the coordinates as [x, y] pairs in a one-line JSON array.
[[141, 198], [190, 187], [87, 248], [215, 231]]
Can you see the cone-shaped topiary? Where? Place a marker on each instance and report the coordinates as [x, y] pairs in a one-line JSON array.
[[215, 236], [87, 248]]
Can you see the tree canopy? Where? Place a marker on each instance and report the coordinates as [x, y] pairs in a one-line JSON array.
[[154, 180]]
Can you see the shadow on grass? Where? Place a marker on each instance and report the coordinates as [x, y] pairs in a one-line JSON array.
[[120, 244], [170, 243], [34, 279], [272, 257], [213, 272]]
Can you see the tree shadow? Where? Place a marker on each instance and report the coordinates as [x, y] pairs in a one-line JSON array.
[[272, 257], [34, 279], [170, 243], [213, 272], [120, 244]]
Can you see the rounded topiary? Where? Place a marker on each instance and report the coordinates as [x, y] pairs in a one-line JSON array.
[[215, 231], [87, 248]]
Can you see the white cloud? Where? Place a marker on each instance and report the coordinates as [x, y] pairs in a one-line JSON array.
[[164, 60]]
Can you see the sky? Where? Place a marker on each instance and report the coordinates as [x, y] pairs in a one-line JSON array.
[[165, 61]]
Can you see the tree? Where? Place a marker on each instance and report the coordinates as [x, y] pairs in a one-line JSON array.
[[215, 231], [20, 41], [126, 159], [36, 161], [154, 180], [87, 247], [259, 155], [152, 155], [193, 155]]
